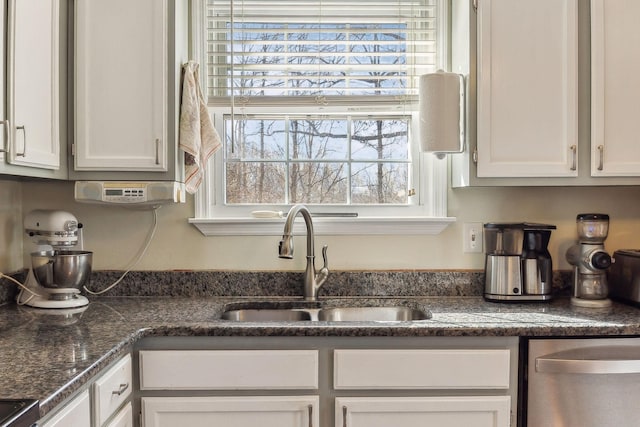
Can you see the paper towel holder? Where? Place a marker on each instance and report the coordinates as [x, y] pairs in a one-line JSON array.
[[442, 113]]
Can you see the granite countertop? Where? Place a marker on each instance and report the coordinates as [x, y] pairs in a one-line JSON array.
[[48, 356]]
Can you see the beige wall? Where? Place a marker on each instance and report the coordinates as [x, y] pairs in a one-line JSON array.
[[10, 226], [116, 234]]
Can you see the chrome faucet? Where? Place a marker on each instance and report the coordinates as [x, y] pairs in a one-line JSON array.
[[312, 281]]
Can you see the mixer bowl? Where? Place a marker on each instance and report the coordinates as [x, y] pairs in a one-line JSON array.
[[61, 268]]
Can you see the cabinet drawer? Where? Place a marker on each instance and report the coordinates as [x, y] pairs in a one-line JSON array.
[[421, 369], [229, 369], [111, 390]]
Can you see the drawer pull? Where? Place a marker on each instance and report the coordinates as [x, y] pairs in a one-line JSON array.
[[4, 123], [122, 389], [310, 415], [344, 416], [24, 146], [601, 152]]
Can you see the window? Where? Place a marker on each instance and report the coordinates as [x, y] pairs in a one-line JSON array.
[[316, 102]]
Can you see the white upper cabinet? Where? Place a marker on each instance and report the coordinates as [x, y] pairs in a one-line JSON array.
[[3, 86], [121, 85], [33, 90], [615, 67], [527, 88]]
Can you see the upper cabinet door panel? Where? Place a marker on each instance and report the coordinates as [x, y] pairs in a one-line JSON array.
[[527, 124], [615, 67], [33, 83], [121, 91]]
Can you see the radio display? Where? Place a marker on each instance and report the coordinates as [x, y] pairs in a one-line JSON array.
[[113, 192]]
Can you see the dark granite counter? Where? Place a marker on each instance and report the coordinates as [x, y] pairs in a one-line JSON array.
[[49, 355]]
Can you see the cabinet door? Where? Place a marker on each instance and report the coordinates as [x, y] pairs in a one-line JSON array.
[[33, 83], [229, 370], [3, 59], [615, 67], [458, 411], [121, 85], [527, 117], [241, 411], [417, 369], [124, 418], [75, 414]]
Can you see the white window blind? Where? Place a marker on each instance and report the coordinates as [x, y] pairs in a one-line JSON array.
[[319, 51]]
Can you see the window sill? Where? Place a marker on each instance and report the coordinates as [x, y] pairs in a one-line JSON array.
[[324, 226]]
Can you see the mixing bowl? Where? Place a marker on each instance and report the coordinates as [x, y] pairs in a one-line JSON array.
[[61, 268]]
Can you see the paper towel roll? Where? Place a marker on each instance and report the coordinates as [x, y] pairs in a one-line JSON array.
[[441, 105]]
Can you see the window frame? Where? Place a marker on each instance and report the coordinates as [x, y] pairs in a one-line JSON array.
[[428, 216]]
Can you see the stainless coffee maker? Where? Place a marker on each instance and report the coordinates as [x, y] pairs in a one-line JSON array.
[[590, 261], [518, 265]]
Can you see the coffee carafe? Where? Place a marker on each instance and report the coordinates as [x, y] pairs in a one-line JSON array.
[[590, 261], [518, 266]]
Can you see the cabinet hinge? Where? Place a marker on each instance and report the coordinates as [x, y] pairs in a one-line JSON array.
[[474, 156], [475, 5], [73, 149]]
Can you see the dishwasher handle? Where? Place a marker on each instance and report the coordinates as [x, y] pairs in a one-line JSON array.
[[592, 360]]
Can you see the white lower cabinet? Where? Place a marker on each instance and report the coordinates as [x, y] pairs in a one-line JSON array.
[[124, 417], [236, 411], [328, 382], [105, 402], [263, 371], [440, 371], [111, 391], [449, 411], [229, 370], [421, 369], [77, 413]]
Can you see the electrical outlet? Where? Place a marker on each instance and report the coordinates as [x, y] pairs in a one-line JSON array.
[[472, 238]]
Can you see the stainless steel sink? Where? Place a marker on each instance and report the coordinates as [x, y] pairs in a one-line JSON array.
[[266, 315], [372, 314], [292, 312]]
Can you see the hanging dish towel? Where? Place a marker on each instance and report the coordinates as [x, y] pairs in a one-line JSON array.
[[198, 138]]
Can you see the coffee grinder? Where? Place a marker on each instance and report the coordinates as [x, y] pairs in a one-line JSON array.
[[57, 272], [590, 261]]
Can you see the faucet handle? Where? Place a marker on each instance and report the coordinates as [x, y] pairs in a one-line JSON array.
[[324, 257], [322, 275]]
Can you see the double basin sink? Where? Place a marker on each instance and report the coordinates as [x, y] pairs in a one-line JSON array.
[[303, 311]]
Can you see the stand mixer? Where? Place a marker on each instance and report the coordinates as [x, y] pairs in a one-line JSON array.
[[57, 273], [590, 261]]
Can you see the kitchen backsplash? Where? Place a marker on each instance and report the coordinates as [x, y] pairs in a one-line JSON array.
[[289, 284]]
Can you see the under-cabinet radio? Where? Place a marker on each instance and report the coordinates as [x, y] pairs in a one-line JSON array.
[[130, 193]]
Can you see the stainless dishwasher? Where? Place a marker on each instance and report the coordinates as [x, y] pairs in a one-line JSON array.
[[583, 382]]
